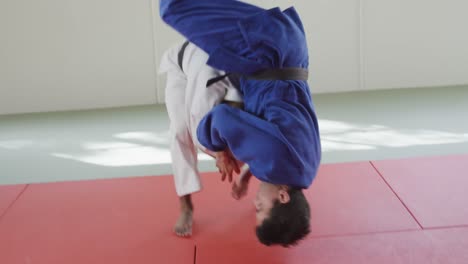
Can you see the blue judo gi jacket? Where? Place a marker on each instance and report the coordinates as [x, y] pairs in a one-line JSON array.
[[277, 132]]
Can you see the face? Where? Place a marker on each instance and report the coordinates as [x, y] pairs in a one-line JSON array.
[[266, 196]]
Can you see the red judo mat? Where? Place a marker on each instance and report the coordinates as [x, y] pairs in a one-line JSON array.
[[361, 213], [434, 189], [447, 246], [8, 195]]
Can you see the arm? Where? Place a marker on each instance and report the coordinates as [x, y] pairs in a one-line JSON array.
[[245, 174], [226, 127], [251, 140], [240, 186]]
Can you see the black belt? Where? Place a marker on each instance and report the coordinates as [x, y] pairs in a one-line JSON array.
[[180, 55], [283, 74]]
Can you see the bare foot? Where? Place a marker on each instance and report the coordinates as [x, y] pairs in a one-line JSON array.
[[183, 226]]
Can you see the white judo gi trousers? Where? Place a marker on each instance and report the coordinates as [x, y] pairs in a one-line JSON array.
[[188, 100]]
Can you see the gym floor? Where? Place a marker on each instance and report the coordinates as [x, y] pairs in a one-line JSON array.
[[133, 141], [78, 187]]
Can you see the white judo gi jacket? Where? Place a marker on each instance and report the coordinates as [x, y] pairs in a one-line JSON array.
[[188, 100]]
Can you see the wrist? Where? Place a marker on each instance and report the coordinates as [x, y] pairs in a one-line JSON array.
[[218, 154]]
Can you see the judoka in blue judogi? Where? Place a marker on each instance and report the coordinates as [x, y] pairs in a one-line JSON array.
[[276, 133]]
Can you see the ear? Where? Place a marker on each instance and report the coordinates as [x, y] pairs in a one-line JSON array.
[[283, 196]]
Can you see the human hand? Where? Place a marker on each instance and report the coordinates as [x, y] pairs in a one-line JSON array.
[[241, 184], [239, 189], [226, 164]]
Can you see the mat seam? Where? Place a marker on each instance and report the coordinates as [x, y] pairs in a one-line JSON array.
[[395, 193], [13, 202], [195, 254], [446, 227], [389, 232], [365, 233]]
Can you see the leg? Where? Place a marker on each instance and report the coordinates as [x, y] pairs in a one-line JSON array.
[[183, 226], [201, 98], [214, 27], [187, 181], [183, 152], [206, 23]]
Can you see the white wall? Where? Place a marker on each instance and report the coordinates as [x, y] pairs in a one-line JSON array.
[[70, 54], [332, 28], [415, 43], [75, 54]]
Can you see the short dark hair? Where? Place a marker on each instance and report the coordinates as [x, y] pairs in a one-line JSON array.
[[287, 223]]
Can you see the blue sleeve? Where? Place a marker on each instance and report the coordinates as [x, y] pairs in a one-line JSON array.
[[253, 141], [250, 138]]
